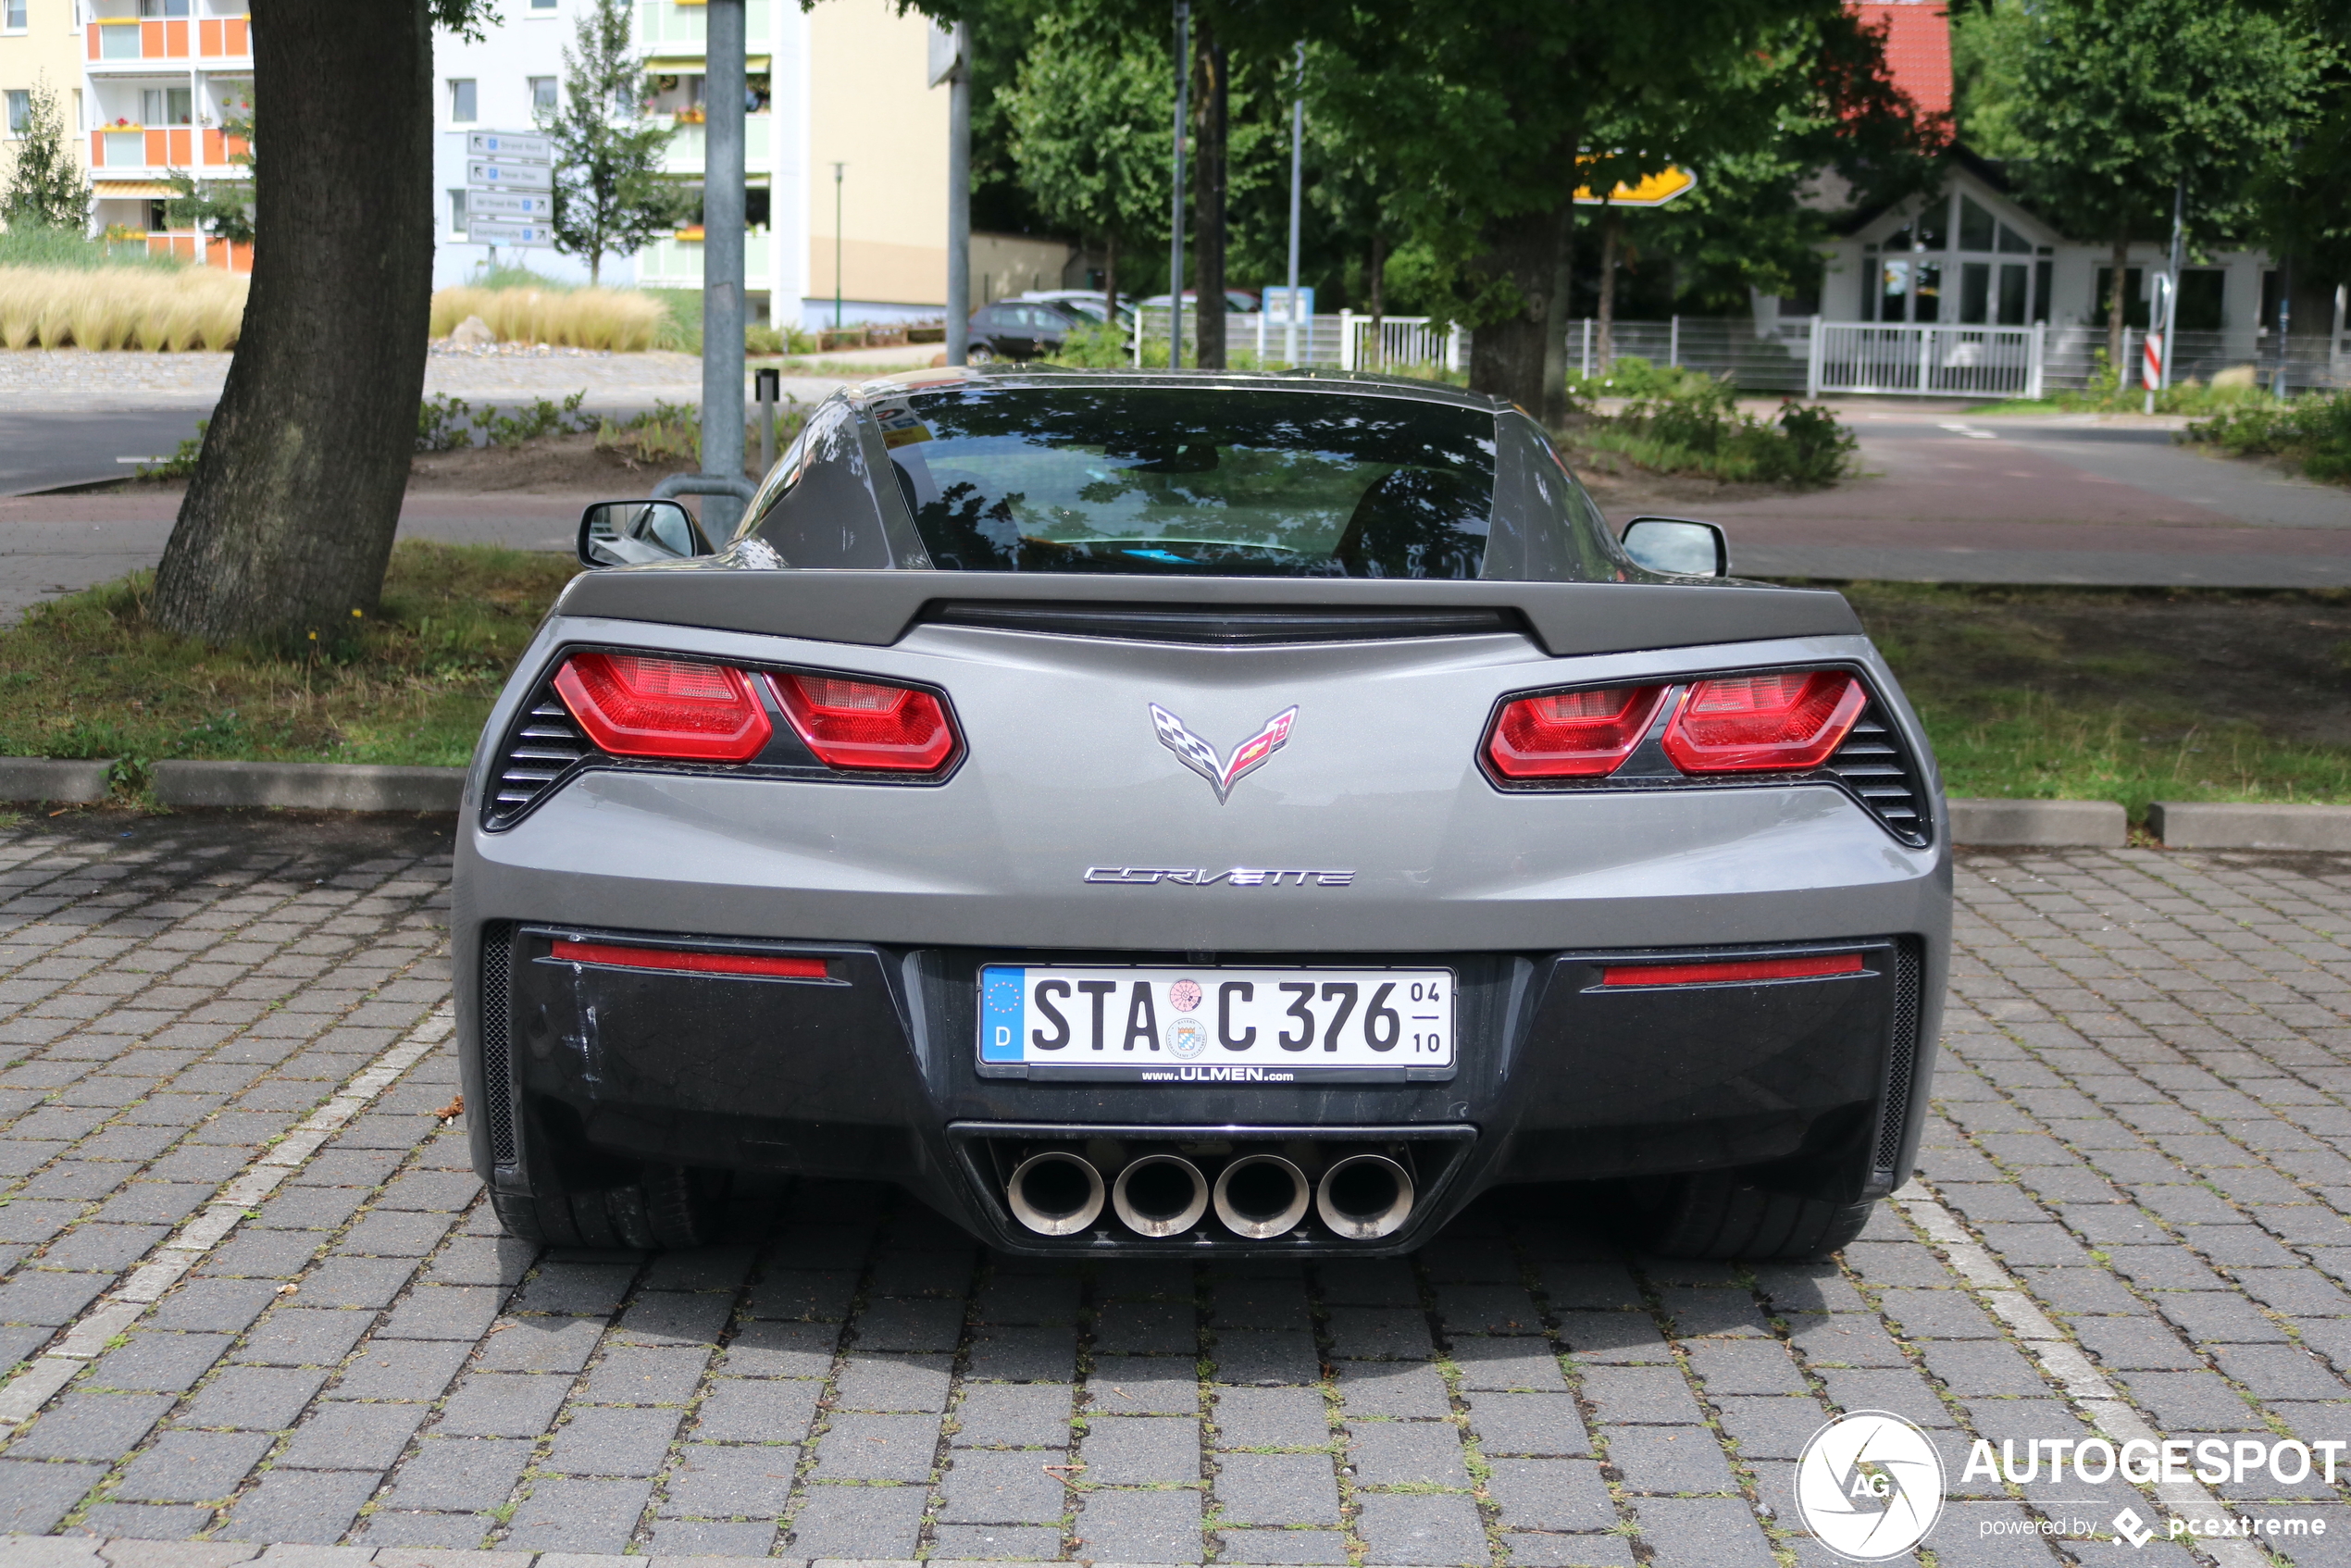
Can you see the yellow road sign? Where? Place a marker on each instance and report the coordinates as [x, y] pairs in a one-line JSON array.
[[1654, 191]]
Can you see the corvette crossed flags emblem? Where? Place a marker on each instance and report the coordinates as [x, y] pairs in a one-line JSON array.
[[1201, 757]]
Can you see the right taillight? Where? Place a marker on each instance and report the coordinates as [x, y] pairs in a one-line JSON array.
[[635, 707], [1776, 722], [1571, 734], [867, 725]]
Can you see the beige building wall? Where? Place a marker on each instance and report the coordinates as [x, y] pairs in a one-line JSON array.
[[871, 107], [1003, 265], [49, 49]]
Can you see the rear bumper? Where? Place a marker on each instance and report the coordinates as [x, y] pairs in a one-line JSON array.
[[872, 1072]]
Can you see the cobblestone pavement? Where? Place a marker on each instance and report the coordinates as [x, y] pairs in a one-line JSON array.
[[2130, 1223]]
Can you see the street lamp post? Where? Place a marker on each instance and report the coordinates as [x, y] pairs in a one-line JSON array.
[[1175, 217], [1297, 168], [838, 169], [722, 297]]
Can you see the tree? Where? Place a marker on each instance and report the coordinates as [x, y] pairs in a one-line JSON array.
[[222, 208], [1089, 117], [289, 518], [610, 193], [46, 187], [2103, 105]]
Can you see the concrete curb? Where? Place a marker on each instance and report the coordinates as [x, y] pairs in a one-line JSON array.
[[1997, 824], [50, 779], [2201, 825], [314, 786]]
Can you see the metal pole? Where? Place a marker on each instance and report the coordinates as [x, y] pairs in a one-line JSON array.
[[838, 169], [2285, 321], [1175, 215], [2172, 306], [768, 384], [722, 264], [1297, 173], [958, 201]]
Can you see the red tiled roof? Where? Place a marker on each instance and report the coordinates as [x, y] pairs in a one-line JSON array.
[[1918, 48]]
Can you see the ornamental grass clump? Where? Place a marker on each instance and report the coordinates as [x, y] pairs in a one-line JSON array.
[[120, 307], [623, 320]]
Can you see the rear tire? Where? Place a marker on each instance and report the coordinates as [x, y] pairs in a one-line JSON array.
[[667, 1207], [1726, 1214]]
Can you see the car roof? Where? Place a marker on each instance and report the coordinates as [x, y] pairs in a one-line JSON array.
[[939, 379]]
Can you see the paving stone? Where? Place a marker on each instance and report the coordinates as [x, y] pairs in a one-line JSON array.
[[542, 1344], [1120, 1525], [307, 1507], [1272, 1418], [1022, 1416], [91, 1426], [302, 1336], [781, 1350], [192, 1467], [255, 1398], [857, 1524], [630, 1441], [400, 1369], [226, 1306], [1008, 1486], [1130, 1450], [460, 1474], [34, 1497], [1521, 1364], [1417, 1528], [1668, 1460], [1282, 1547], [353, 1437], [1146, 1385], [1392, 1389], [647, 1375], [572, 1515], [1721, 1531], [714, 1481], [1277, 1488], [1268, 1358], [894, 1383], [513, 1405], [1023, 1354], [878, 1448], [159, 1362]]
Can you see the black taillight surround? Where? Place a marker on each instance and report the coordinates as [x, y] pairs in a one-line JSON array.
[[1874, 765], [534, 762]]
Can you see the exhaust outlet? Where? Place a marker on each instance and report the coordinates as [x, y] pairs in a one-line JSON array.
[[1055, 1193], [1160, 1195], [1365, 1196], [1262, 1195]]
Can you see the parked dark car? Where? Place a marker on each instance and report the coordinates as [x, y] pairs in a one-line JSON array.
[[1022, 329]]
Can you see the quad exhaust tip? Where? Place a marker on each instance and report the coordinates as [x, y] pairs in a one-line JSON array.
[[1260, 1196], [1055, 1193], [1365, 1197], [1160, 1195]]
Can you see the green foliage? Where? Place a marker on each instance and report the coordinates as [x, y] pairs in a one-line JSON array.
[[1633, 376], [1099, 347], [1090, 121], [447, 424], [513, 275], [222, 208], [682, 331], [90, 676], [610, 196], [30, 244], [778, 340], [1691, 424], [2313, 431], [45, 188], [666, 433], [182, 464]]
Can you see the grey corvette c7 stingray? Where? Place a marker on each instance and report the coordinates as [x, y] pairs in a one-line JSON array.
[[1191, 815]]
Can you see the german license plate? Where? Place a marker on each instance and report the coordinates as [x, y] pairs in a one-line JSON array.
[[1216, 1026]]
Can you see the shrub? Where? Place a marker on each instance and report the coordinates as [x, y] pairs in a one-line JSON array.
[[2313, 431], [1099, 346], [119, 307], [1694, 426], [447, 424], [620, 319], [32, 245], [1635, 376]]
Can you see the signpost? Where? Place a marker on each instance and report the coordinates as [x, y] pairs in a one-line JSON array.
[[1652, 191], [510, 188]]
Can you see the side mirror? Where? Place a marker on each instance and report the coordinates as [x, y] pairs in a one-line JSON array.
[[1678, 545], [622, 533]]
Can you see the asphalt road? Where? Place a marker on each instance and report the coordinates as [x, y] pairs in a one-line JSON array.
[[254, 1296], [42, 451]]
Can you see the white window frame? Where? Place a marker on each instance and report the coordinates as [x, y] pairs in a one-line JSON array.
[[22, 9], [8, 100], [555, 93], [471, 86]]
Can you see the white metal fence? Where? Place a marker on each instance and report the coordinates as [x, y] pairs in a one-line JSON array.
[[1344, 342], [1925, 361]]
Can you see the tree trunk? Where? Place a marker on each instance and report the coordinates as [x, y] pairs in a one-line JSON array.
[[1506, 356], [1609, 229], [2114, 305], [1208, 194], [1554, 408], [288, 522], [1377, 281]]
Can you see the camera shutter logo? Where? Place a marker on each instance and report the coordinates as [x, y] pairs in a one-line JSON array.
[[1869, 1486]]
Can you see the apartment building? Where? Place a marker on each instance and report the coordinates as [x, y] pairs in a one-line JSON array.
[[841, 119], [147, 86]]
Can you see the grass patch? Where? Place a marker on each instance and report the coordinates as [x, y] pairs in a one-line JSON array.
[[88, 676], [94, 306], [2129, 695], [2313, 432], [32, 245]]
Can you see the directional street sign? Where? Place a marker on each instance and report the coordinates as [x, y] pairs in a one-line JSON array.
[[483, 175], [510, 146], [1652, 191], [498, 231], [521, 205]]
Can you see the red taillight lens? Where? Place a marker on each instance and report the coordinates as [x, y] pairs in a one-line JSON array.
[[755, 963], [1811, 966], [1764, 723], [867, 725], [1571, 734], [634, 706]]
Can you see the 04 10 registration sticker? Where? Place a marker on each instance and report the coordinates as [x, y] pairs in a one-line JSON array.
[[1216, 1026]]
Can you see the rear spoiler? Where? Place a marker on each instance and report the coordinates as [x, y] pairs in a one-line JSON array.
[[878, 608]]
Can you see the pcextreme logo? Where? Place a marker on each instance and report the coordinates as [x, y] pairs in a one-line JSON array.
[[1870, 1484]]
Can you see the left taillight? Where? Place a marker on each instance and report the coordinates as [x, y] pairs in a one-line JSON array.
[[1772, 723], [867, 725], [631, 705]]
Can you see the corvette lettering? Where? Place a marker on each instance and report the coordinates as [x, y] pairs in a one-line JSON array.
[[1239, 877]]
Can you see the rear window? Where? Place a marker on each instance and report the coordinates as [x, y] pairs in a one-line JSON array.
[[1194, 481]]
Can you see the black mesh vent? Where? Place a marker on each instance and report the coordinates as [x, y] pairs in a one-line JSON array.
[[497, 1068], [542, 747], [1876, 767], [1902, 1063]]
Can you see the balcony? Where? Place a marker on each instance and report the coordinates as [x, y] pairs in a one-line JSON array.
[[686, 149], [135, 150], [667, 27], [677, 263], [128, 42]]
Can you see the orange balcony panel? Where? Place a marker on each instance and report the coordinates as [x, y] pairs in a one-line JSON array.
[[97, 150], [158, 147], [181, 156], [208, 37], [212, 152], [238, 148], [230, 255], [94, 40], [175, 40], [151, 40], [236, 32]]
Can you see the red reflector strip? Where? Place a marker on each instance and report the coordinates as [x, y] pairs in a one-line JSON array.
[[1809, 966], [762, 964]]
